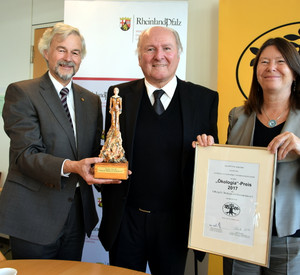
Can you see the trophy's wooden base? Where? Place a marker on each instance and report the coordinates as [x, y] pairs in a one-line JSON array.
[[108, 170]]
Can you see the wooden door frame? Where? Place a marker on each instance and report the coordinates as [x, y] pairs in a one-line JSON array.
[[34, 50]]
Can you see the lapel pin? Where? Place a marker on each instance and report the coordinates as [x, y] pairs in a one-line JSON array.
[[82, 99]]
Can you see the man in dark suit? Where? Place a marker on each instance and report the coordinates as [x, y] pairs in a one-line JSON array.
[[146, 218], [47, 205]]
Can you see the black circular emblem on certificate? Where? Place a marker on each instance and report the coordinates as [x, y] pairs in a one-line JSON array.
[[231, 209]]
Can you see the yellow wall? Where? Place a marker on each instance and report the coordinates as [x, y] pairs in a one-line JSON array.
[[244, 24], [215, 265]]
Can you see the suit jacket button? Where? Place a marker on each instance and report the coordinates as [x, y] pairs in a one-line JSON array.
[[277, 181], [70, 199]]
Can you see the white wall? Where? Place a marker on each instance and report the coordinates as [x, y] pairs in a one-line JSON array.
[[14, 56], [19, 17]]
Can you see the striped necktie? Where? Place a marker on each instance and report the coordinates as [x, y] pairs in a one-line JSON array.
[[158, 107], [63, 97]]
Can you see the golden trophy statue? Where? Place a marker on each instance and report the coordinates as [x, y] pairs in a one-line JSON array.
[[114, 165]]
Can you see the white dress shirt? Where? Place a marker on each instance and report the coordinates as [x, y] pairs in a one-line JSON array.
[[169, 90], [71, 107]]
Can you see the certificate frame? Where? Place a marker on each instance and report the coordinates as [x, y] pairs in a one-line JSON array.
[[243, 233]]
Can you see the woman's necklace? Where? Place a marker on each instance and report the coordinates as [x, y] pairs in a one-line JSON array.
[[273, 122]]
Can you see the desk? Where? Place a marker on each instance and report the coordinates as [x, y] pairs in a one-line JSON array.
[[58, 267]]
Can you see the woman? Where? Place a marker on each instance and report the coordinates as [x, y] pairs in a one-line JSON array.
[[271, 118]]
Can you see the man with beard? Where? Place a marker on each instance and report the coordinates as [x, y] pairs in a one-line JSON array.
[[47, 204]]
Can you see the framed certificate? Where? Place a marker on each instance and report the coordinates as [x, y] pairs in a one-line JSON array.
[[232, 203]]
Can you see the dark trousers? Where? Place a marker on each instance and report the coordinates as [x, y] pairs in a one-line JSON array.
[[159, 239], [68, 246]]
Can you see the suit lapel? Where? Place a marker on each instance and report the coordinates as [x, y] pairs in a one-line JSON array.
[[242, 129], [188, 111], [82, 119], [131, 102], [247, 134], [51, 97]]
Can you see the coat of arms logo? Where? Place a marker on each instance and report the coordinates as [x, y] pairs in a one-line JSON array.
[[125, 23]]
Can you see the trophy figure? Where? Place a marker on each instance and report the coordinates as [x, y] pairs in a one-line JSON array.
[[114, 165]]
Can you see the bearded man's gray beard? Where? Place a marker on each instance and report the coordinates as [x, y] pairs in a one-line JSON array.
[[65, 76]]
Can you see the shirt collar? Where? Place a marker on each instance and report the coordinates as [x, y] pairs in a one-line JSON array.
[[169, 88], [58, 86]]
